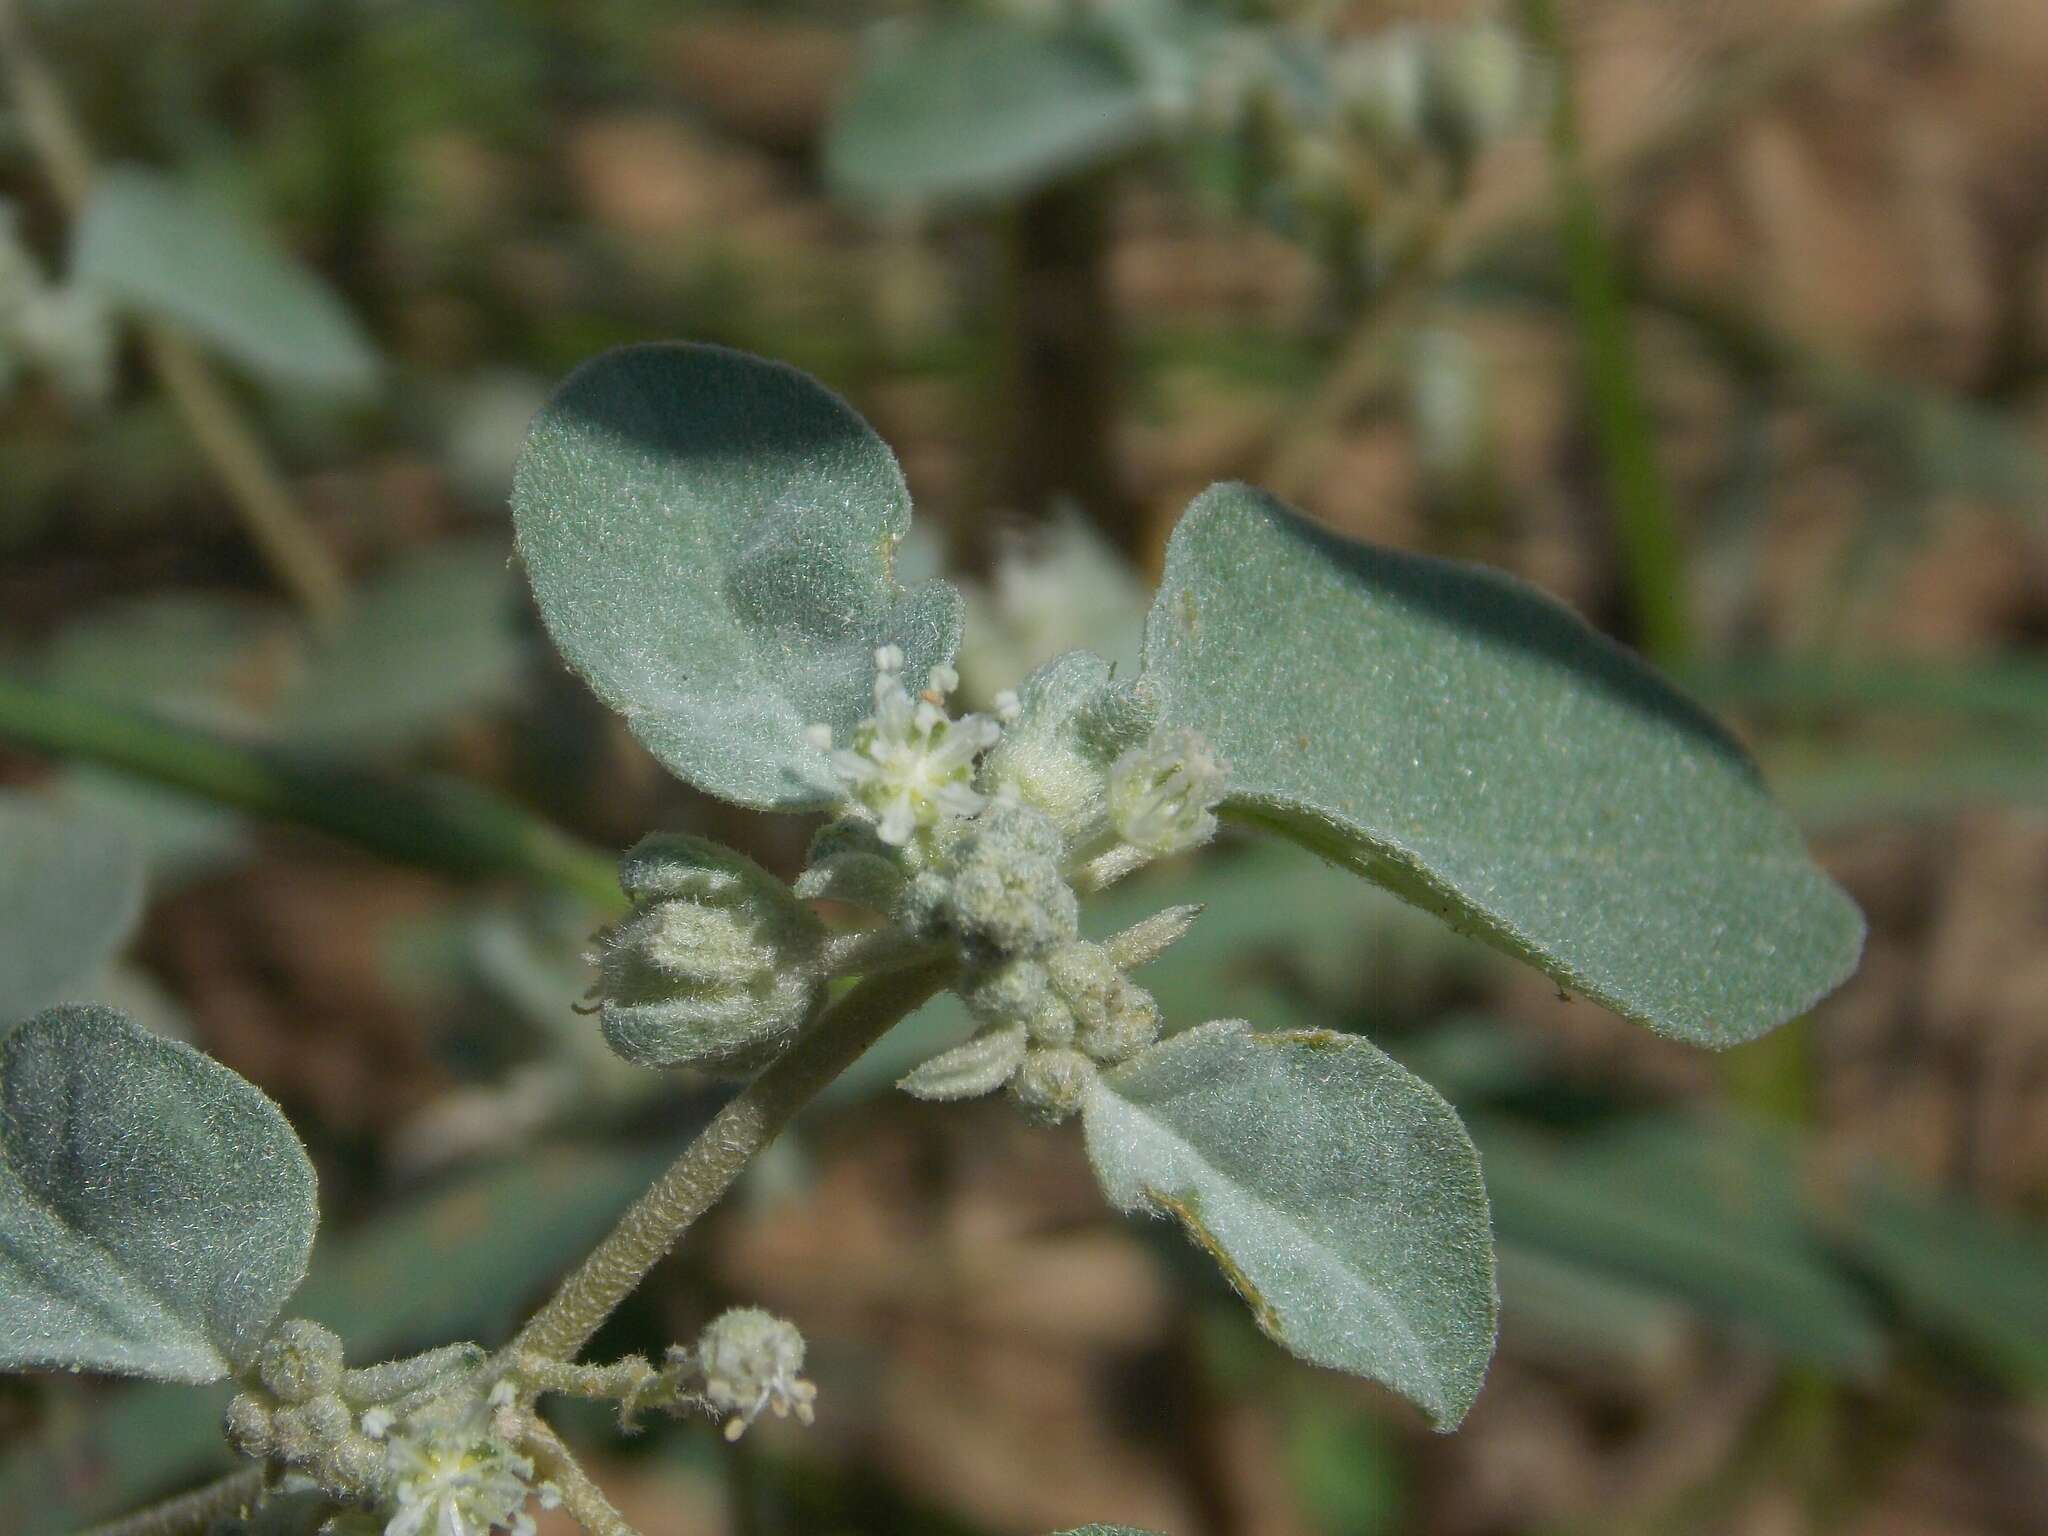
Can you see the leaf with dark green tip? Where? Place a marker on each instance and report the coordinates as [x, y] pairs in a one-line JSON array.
[[1473, 745], [979, 109], [70, 893], [156, 1210], [710, 536], [1340, 1194], [174, 253]]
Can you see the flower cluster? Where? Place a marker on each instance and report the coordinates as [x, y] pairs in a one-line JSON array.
[[457, 1472], [750, 1362], [910, 764]]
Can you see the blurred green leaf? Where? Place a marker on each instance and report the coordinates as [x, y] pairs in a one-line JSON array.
[[437, 635], [1348, 1468], [1709, 1213], [70, 894], [156, 1210], [1338, 1192], [1861, 785], [979, 109], [1474, 746], [710, 538], [1969, 1279], [186, 656], [2006, 688], [173, 253], [103, 1457], [1563, 1310], [194, 658]]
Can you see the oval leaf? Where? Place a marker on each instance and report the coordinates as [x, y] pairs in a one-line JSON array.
[[443, 632], [1337, 1190], [977, 109], [175, 253], [70, 892], [155, 1209], [710, 539], [1471, 744]]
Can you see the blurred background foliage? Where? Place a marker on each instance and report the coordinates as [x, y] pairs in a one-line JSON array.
[[1726, 320]]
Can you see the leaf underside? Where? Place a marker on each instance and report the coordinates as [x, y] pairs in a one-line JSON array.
[[1477, 748], [156, 1211], [70, 894], [1339, 1193]]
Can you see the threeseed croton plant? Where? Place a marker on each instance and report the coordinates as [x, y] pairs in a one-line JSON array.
[[710, 539]]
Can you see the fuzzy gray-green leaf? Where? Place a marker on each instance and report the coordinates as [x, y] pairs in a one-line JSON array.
[[70, 892], [173, 253], [710, 537], [1340, 1194], [155, 1209], [1477, 748], [975, 109]]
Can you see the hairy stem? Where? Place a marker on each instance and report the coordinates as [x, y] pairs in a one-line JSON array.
[[269, 511], [440, 824], [581, 1497], [188, 1512], [708, 1166]]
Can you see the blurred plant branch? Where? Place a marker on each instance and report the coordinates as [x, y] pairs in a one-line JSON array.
[[1619, 180], [440, 824], [189, 1512], [268, 509], [1645, 528]]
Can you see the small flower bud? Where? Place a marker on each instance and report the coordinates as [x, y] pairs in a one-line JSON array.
[[306, 1432], [1009, 895], [1052, 1084], [299, 1362], [1163, 795], [716, 966], [750, 1360], [247, 1426], [1114, 1017]]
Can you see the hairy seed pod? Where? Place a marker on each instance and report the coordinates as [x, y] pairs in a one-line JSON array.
[[716, 965]]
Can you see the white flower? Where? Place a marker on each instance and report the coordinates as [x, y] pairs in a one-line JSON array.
[[910, 764], [749, 1360], [1163, 795], [456, 1475]]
